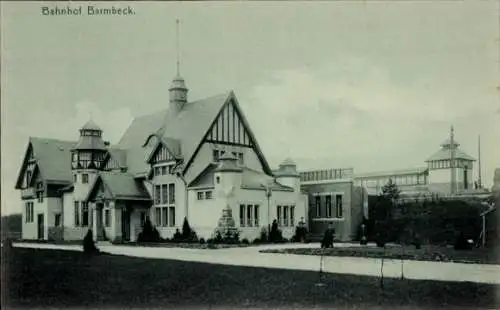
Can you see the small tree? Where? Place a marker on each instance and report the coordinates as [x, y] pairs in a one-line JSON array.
[[188, 234], [391, 193], [149, 233]]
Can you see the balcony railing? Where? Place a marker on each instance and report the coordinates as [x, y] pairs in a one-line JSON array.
[[326, 174]]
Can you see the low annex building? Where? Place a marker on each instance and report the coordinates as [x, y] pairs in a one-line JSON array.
[[191, 161]]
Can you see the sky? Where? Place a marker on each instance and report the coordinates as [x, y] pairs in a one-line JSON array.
[[370, 85]]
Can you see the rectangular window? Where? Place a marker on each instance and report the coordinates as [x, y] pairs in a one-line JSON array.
[[164, 193], [208, 195], [215, 154], [241, 158], [171, 193], [242, 215], [157, 171], [318, 206], [157, 194], [32, 212], [107, 218], [158, 216], [292, 216], [164, 212], [75, 177], [164, 170], [28, 178], [171, 216], [27, 212], [39, 196], [278, 215], [85, 178], [256, 215], [328, 203], [285, 216], [143, 218], [85, 214], [200, 195], [339, 206], [57, 219], [249, 216], [77, 213]]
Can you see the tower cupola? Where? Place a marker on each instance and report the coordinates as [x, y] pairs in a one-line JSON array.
[[287, 174], [178, 90], [178, 93], [89, 152]]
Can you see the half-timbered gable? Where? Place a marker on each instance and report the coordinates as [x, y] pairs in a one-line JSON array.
[[228, 128], [161, 155], [28, 168]]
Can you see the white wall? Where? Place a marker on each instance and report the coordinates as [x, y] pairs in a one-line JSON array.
[[30, 230], [81, 190], [70, 232], [204, 214], [439, 179]]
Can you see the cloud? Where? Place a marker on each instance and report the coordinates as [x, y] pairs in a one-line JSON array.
[[354, 113]]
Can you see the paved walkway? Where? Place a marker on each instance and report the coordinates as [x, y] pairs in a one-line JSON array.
[[250, 256]]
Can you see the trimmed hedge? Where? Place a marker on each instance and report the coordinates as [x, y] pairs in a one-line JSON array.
[[433, 222]]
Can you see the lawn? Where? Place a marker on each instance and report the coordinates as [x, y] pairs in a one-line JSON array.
[[425, 253], [53, 278]]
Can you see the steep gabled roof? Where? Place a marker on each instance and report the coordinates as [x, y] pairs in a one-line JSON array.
[[181, 132], [53, 158], [121, 185], [444, 154], [250, 179]]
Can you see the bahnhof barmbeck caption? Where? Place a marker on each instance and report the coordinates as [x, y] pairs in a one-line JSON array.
[[90, 10]]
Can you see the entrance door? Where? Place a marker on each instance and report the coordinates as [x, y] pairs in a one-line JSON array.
[[465, 179], [99, 225], [41, 228], [126, 224]]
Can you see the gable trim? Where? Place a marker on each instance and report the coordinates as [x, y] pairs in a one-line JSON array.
[[93, 188], [157, 148], [253, 142], [24, 165]]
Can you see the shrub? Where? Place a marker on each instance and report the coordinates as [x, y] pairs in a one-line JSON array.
[[177, 236], [187, 234], [217, 238], [202, 241], [257, 241], [89, 244], [263, 235], [149, 233], [231, 237], [210, 241], [245, 241]]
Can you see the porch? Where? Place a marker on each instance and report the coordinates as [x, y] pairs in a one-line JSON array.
[[117, 221]]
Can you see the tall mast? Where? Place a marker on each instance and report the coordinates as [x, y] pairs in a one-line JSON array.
[[452, 160], [479, 181], [177, 45]]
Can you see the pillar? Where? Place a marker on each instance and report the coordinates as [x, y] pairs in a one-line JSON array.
[[116, 222], [94, 220]]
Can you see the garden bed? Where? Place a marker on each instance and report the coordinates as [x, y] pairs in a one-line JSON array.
[[426, 253], [185, 245]]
